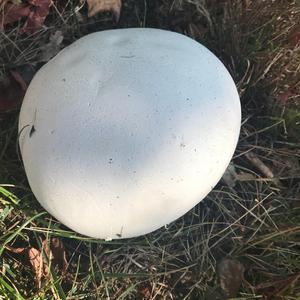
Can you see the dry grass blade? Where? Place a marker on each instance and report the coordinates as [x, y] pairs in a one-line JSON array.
[[15, 250]]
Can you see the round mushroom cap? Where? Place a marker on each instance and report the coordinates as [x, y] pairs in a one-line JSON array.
[[126, 130]]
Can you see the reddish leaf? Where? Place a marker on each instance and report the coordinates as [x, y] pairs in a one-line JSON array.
[[10, 12], [37, 16], [247, 3], [35, 12], [294, 37], [287, 95], [146, 293]]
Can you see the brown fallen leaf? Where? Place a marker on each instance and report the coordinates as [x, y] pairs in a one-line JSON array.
[[37, 262], [52, 253], [11, 12], [97, 6], [230, 274], [37, 16], [294, 37], [58, 255], [247, 3], [146, 293], [288, 95], [35, 259], [35, 12]]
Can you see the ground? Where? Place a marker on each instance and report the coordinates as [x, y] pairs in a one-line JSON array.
[[242, 241]]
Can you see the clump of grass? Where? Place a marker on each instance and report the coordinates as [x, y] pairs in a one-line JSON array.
[[255, 221]]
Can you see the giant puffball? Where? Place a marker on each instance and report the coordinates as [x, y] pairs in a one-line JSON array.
[[126, 130]]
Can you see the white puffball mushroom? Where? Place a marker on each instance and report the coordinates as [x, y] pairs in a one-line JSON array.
[[126, 130]]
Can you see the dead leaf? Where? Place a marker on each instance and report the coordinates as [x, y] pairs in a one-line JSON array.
[[35, 12], [37, 262], [58, 255], [37, 16], [52, 253], [53, 47], [12, 91], [11, 12], [146, 293], [247, 3], [230, 274], [287, 95], [294, 37], [97, 6], [35, 259]]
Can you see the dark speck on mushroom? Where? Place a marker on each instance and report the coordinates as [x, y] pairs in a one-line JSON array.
[[110, 161], [121, 232], [32, 131]]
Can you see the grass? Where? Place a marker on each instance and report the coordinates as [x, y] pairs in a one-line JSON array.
[[256, 221]]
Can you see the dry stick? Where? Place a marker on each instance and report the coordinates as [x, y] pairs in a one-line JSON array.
[[265, 170]]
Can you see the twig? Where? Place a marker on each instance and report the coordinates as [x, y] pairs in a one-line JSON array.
[[265, 170]]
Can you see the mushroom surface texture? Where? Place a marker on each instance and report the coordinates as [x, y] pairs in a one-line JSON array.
[[126, 130]]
